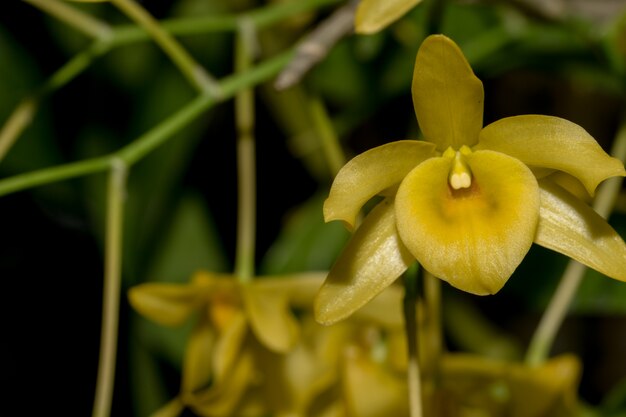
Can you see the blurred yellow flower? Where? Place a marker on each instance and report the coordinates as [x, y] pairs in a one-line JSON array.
[[468, 202], [218, 365]]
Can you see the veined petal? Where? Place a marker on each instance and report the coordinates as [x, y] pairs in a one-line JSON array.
[[552, 142], [474, 238], [166, 304], [374, 15], [369, 173], [447, 96], [371, 261], [270, 317], [569, 226]]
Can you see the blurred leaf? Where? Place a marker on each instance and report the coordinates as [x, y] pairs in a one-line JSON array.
[[305, 243], [190, 244], [614, 403]]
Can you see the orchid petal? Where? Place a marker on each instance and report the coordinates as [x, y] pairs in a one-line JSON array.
[[174, 408], [447, 96], [371, 261], [369, 173], [474, 238], [569, 226], [228, 346], [269, 315], [371, 390], [552, 142], [374, 15], [166, 304], [197, 368], [221, 399]]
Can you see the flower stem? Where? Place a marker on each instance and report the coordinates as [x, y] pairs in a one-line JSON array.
[[553, 317], [109, 38], [193, 71], [244, 119], [150, 140], [111, 294], [331, 148], [75, 18], [413, 370]]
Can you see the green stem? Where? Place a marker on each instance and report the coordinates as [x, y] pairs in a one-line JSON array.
[[23, 114], [432, 325], [330, 142], [123, 35], [149, 141], [111, 294], [75, 18], [193, 71], [413, 370], [553, 317], [244, 119]]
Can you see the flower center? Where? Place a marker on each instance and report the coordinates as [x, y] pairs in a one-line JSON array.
[[460, 175]]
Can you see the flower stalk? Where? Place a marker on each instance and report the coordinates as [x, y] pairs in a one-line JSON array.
[[246, 166], [112, 282], [413, 367]]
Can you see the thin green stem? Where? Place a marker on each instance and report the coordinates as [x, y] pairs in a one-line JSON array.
[[193, 71], [111, 294], [23, 114], [88, 25], [331, 148], [413, 369], [152, 139], [553, 317], [244, 120], [432, 324], [122, 35]]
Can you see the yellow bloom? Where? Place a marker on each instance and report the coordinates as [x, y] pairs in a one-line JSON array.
[[468, 202]]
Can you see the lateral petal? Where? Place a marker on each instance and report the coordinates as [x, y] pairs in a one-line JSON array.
[[447, 96], [552, 142], [372, 260], [166, 304], [369, 173], [569, 226], [474, 238], [270, 317], [374, 15]]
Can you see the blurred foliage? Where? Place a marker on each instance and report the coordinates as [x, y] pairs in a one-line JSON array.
[[181, 199]]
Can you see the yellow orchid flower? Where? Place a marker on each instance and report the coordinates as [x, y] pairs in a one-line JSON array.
[[374, 15], [468, 202], [218, 365]]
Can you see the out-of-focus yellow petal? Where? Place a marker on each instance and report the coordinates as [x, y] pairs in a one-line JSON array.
[[569, 226], [228, 346], [300, 288], [270, 317], [197, 367], [221, 399], [166, 304], [475, 237], [373, 259], [385, 309], [374, 15], [371, 390], [510, 389], [447, 96], [552, 142], [174, 408], [369, 173]]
